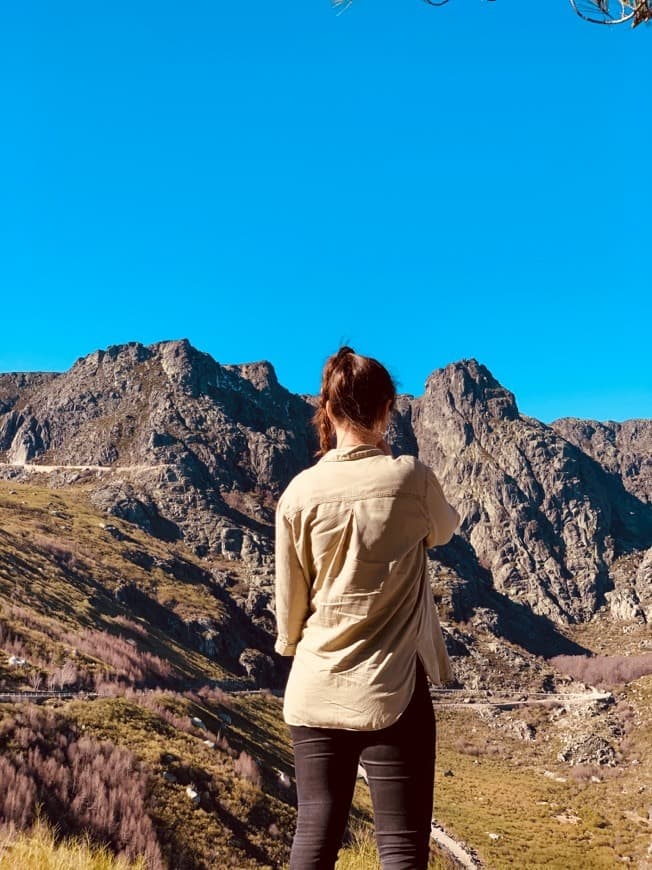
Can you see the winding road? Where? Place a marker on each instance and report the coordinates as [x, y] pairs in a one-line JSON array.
[[30, 466]]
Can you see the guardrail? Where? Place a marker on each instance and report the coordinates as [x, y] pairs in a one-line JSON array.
[[464, 697], [43, 694]]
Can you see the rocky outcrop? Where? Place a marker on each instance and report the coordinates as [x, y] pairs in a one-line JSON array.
[[631, 598], [13, 386], [589, 749], [169, 405], [196, 429], [622, 449], [543, 518]]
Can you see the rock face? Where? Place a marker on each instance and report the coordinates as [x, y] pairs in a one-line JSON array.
[[631, 597], [200, 451], [591, 749], [622, 449], [543, 518], [196, 431], [167, 404]]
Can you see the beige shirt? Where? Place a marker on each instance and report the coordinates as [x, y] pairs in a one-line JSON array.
[[353, 601]]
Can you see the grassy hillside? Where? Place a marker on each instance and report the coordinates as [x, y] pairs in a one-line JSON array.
[[60, 570], [68, 572], [117, 768], [547, 813]]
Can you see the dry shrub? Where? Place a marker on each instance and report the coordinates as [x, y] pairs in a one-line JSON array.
[[28, 619], [247, 768], [82, 785], [50, 549], [19, 796], [132, 666], [629, 744], [469, 747], [214, 694], [153, 700], [604, 671], [131, 625], [584, 772], [38, 848], [627, 717]]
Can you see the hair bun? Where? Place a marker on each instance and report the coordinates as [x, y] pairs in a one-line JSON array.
[[345, 350]]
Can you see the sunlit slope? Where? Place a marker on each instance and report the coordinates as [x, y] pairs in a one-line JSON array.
[[72, 578]]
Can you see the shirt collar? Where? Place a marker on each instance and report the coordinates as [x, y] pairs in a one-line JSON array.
[[357, 451]]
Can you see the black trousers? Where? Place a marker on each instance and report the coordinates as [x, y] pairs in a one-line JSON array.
[[400, 765]]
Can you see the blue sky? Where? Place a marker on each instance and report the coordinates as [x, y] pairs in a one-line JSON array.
[[270, 179]]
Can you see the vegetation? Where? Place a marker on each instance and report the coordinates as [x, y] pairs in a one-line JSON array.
[[40, 849], [82, 784], [361, 854], [117, 771], [120, 769], [545, 813], [604, 671], [56, 558], [134, 797]]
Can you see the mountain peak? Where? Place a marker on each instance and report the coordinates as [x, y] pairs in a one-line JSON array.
[[260, 375], [467, 384], [130, 352]]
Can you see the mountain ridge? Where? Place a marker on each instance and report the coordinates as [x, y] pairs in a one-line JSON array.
[[547, 508]]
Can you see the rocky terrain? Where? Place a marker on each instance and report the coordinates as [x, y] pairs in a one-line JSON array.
[[557, 519]]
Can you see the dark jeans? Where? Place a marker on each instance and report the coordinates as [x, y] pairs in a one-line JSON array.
[[400, 765]]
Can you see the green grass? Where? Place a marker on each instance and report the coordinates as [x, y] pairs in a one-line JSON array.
[[234, 820], [58, 596], [507, 794], [362, 854]]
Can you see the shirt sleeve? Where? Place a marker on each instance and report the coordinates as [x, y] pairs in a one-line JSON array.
[[292, 589], [443, 517]]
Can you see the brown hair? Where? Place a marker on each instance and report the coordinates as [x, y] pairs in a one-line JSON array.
[[358, 388]]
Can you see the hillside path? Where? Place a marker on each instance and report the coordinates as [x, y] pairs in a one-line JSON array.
[[462, 698], [31, 466], [465, 859]]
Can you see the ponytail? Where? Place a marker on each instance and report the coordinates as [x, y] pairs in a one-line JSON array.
[[358, 389], [324, 428]]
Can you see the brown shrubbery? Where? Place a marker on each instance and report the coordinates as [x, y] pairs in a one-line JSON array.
[[584, 772], [81, 784], [153, 700], [120, 661], [127, 664], [131, 625], [479, 746], [247, 768], [604, 671]]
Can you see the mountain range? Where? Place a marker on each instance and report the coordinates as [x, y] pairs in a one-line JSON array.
[[556, 518]]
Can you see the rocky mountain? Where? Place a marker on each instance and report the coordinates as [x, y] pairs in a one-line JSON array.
[[557, 519], [186, 435], [545, 518], [623, 449]]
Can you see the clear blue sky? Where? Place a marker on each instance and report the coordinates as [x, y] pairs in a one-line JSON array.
[[268, 179]]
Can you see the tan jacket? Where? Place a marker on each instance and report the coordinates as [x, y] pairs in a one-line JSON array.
[[353, 601]]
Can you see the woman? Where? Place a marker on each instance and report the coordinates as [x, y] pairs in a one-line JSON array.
[[355, 609]]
